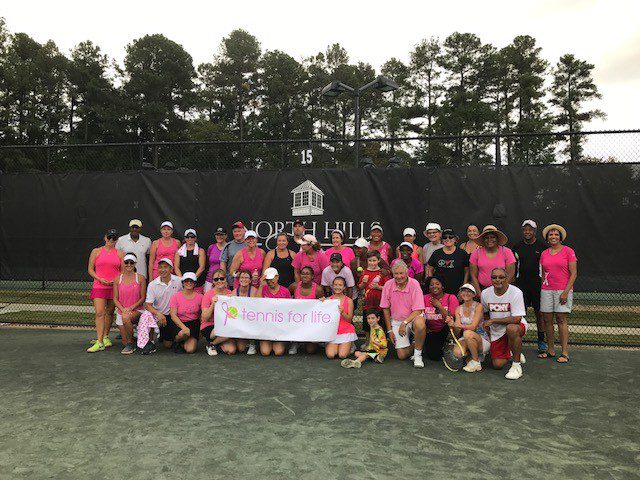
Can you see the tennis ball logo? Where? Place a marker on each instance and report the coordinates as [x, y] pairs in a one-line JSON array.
[[233, 312], [229, 311]]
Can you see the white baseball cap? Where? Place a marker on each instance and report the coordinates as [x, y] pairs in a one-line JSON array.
[[307, 239], [376, 226], [361, 243], [130, 256], [406, 244], [270, 273], [190, 231], [189, 276], [167, 261], [409, 231], [250, 233], [531, 223], [432, 226], [167, 223], [135, 223], [468, 286]]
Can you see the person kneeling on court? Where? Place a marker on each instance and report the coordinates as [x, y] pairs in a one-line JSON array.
[[185, 307], [156, 304], [469, 324], [271, 288], [208, 305], [376, 349], [402, 304], [504, 313]]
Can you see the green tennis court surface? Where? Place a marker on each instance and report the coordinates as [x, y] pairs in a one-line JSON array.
[[68, 414]]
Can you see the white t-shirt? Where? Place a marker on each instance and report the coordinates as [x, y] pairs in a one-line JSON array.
[[509, 304], [141, 248], [427, 251], [328, 275], [159, 294]]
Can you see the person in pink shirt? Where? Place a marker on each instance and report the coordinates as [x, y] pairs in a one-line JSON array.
[[105, 264], [213, 256], [270, 288], [439, 308], [492, 254], [185, 309], [310, 255], [559, 268], [402, 304], [415, 268], [209, 299], [305, 289], [376, 243], [337, 246], [250, 258], [164, 247], [128, 296], [341, 346]]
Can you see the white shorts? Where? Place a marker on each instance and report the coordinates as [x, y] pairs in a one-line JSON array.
[[550, 302], [119, 321], [401, 341], [345, 338]]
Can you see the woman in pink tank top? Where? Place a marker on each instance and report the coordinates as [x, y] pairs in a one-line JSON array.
[[250, 258], [128, 296], [105, 264], [164, 247], [377, 243], [270, 288], [305, 289], [341, 345]]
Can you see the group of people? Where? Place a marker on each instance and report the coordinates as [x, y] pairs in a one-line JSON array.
[[413, 297]]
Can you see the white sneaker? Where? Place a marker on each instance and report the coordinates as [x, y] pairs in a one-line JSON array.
[[212, 351], [252, 349], [472, 366], [417, 361], [514, 373], [522, 359], [293, 348]]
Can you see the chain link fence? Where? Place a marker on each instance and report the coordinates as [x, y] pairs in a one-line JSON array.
[[505, 149]]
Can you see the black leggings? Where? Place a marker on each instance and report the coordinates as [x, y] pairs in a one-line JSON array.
[[434, 342]]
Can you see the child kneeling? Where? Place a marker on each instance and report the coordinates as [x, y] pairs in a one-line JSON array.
[[377, 349]]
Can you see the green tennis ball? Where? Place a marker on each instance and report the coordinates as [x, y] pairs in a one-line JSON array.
[[360, 269], [233, 312]]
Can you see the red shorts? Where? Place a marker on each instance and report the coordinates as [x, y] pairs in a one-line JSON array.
[[500, 348]]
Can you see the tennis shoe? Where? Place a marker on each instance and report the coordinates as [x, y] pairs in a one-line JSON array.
[[128, 349], [417, 361], [106, 342], [514, 373], [348, 363], [472, 366], [96, 347], [212, 351], [252, 349], [522, 359], [149, 348], [293, 348]]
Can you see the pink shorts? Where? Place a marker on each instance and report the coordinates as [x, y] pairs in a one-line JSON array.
[[106, 293]]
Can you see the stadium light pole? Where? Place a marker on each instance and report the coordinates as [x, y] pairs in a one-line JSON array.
[[335, 88]]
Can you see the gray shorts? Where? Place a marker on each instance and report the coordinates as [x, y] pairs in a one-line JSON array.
[[550, 302]]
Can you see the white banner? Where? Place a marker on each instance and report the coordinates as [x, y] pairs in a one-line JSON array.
[[276, 319]]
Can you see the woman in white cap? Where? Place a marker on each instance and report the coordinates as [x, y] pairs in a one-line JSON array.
[[185, 308], [559, 267], [129, 293], [492, 254], [468, 323], [409, 236], [310, 255], [105, 263], [338, 246], [376, 243], [213, 256], [270, 288], [416, 270], [250, 258], [191, 258], [164, 247]]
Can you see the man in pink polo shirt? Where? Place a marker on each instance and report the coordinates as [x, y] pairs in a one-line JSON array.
[[402, 304]]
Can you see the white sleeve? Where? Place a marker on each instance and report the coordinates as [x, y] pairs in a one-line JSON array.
[[150, 296], [517, 304], [483, 300], [348, 276]]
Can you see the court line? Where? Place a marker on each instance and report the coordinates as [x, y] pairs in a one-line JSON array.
[[277, 400]]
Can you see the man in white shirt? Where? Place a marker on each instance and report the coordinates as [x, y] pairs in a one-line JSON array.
[[159, 293], [504, 314], [137, 244], [433, 231]]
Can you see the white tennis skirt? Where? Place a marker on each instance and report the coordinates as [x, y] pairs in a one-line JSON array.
[[345, 338]]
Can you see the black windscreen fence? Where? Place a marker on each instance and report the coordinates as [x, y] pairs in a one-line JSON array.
[[50, 222]]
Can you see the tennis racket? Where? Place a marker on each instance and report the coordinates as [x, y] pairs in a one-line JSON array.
[[450, 361]]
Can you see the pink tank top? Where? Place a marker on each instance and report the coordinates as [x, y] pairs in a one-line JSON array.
[[384, 251], [311, 296], [107, 266], [345, 326], [281, 293], [129, 294], [165, 252], [250, 264]]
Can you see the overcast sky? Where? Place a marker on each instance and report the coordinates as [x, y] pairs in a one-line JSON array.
[[605, 33]]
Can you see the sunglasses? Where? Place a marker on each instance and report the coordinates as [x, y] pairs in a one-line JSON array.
[[129, 262], [219, 279], [448, 237], [494, 277]]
